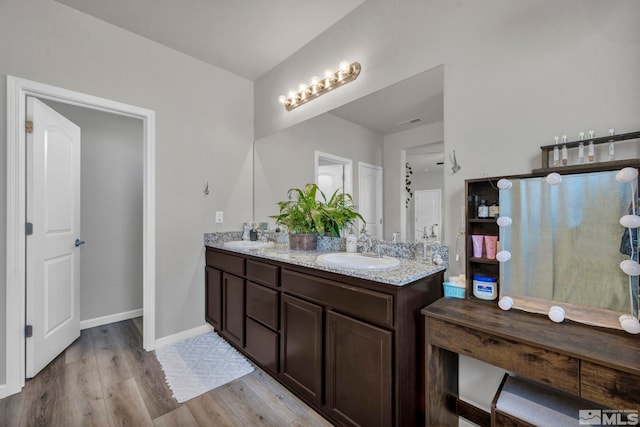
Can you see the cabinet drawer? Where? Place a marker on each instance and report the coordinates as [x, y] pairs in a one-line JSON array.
[[558, 370], [263, 273], [262, 304], [361, 303], [262, 344], [229, 263], [616, 389]]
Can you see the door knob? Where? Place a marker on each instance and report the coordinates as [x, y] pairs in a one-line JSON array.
[[79, 242]]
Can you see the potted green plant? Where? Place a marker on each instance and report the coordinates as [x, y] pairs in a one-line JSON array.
[[307, 213]]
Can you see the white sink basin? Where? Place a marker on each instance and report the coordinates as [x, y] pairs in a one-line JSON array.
[[248, 244], [357, 261]]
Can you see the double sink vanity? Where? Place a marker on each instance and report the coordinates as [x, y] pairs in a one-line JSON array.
[[341, 331]]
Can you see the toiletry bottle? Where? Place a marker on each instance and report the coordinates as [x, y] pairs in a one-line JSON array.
[[494, 210], [565, 154], [556, 152], [612, 149], [581, 148], [474, 207], [592, 150], [483, 209]]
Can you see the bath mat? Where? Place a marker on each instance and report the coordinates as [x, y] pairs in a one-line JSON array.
[[194, 366]]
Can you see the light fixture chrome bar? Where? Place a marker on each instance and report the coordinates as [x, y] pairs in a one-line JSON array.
[[347, 73]]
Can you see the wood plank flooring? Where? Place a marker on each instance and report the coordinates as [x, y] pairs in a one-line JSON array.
[[105, 378]]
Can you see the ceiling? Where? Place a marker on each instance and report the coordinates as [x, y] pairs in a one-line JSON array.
[[245, 37], [396, 107], [224, 33]]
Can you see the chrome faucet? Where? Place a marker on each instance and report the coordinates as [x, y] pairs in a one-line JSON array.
[[395, 236], [365, 241]]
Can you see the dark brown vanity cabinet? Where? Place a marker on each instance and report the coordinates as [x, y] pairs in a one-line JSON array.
[[346, 346], [233, 308], [358, 376], [301, 347], [213, 295]]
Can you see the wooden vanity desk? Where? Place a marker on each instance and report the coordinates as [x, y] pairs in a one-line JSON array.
[[597, 364]]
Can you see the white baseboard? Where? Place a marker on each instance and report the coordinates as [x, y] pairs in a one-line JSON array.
[[181, 336], [105, 320]]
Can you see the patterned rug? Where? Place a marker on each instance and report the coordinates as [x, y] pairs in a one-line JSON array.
[[197, 365]]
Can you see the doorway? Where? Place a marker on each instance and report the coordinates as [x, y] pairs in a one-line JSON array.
[[17, 92], [333, 173]]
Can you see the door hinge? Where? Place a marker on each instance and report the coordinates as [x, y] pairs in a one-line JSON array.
[[28, 229], [28, 125], [28, 331]]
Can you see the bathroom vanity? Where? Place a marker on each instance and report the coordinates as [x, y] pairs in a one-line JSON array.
[[345, 341]]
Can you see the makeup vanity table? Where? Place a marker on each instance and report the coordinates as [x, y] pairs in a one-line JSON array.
[[597, 364]]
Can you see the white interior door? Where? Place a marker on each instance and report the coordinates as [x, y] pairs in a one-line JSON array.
[[53, 255], [427, 212], [370, 198]]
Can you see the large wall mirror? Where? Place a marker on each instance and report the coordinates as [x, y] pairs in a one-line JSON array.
[[358, 131], [567, 245]]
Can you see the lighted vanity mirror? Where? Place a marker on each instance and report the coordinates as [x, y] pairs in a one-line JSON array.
[[566, 246]]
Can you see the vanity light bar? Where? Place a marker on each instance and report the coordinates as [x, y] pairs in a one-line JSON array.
[[331, 80]]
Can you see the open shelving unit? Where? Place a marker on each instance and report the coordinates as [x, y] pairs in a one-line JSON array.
[[485, 189]]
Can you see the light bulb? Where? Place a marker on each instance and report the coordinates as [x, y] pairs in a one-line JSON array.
[[282, 99], [503, 256], [504, 184], [554, 178], [504, 221], [630, 221], [556, 314], [345, 66], [630, 324], [627, 174], [630, 268], [505, 303], [302, 87], [314, 80]]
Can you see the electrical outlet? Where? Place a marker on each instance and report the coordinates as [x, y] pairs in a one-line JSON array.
[[219, 217]]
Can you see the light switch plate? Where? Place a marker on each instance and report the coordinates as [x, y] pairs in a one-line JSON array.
[[219, 217]]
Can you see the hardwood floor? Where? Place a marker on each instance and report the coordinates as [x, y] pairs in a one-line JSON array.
[[105, 378]]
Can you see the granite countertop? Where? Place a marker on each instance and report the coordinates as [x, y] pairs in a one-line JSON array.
[[409, 270]]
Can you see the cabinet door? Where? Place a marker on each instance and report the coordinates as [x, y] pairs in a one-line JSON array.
[[233, 309], [358, 378], [213, 298], [301, 346]]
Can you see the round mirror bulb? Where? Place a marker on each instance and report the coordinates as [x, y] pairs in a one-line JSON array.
[[554, 178], [627, 174], [630, 221], [505, 303], [504, 221], [556, 314], [503, 256], [630, 268], [504, 184], [630, 324]]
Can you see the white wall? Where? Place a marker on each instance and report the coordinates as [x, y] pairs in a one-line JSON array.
[[516, 74], [204, 132], [286, 159], [111, 206]]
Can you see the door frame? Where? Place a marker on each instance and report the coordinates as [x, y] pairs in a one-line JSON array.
[[17, 91], [348, 169], [380, 202]]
